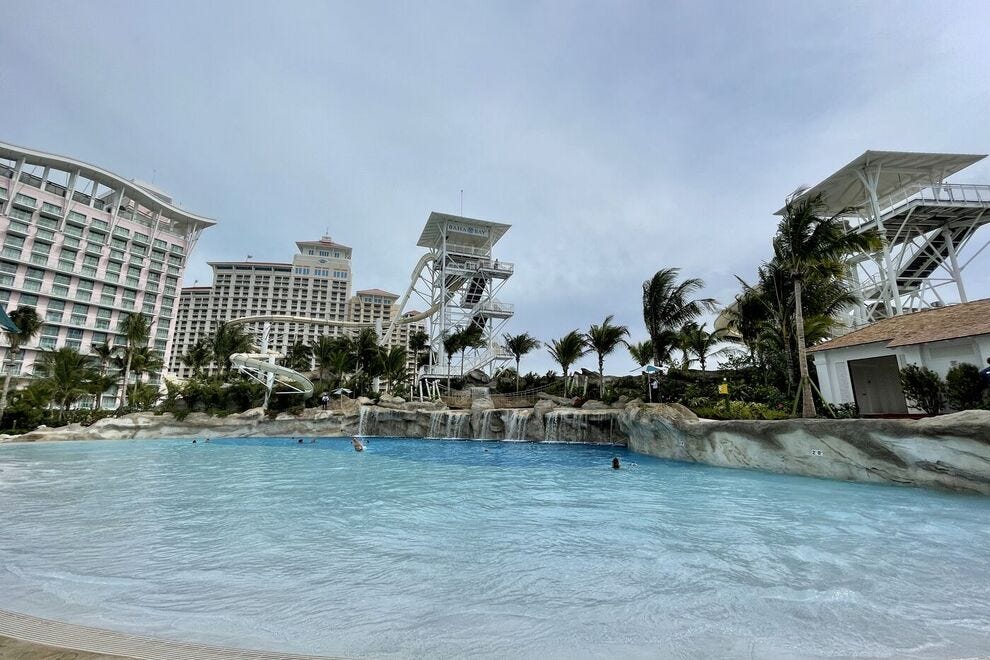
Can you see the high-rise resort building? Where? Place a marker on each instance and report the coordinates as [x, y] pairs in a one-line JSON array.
[[315, 285], [85, 248]]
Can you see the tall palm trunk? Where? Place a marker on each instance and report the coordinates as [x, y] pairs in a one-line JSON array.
[[601, 378], [6, 388], [807, 402], [127, 377], [517, 375]]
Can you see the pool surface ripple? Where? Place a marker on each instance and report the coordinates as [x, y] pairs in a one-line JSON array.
[[441, 548]]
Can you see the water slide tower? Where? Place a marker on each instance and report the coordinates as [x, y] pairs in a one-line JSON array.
[[458, 281]]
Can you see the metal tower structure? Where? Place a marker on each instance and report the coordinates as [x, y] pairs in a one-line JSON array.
[[924, 221], [457, 280]]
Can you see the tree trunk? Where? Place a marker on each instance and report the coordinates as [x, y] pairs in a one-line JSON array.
[[6, 388], [517, 375], [807, 402], [601, 378], [127, 377]]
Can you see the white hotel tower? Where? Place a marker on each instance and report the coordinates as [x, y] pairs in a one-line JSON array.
[[85, 247]]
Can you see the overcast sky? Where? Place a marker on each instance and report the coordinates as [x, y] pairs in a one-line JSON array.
[[616, 137]]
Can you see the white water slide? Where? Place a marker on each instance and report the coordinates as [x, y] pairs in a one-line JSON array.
[[261, 364]]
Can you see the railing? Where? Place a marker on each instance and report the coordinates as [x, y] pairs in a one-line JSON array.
[[467, 249], [493, 307], [963, 193]]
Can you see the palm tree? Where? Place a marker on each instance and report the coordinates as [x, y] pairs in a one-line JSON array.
[[393, 362], [698, 341], [340, 362], [451, 344], [471, 337], [323, 352], [66, 375], [642, 354], [226, 341], [136, 330], [146, 360], [418, 341], [198, 357], [299, 357], [567, 350], [604, 339], [667, 306], [520, 345], [807, 245], [28, 326]]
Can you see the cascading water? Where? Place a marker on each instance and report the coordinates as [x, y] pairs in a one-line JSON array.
[[362, 420], [455, 424], [485, 432], [436, 420], [551, 422], [515, 424]]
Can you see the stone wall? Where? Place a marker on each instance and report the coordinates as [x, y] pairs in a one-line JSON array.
[[952, 451]]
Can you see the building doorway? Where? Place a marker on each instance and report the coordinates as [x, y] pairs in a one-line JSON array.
[[877, 386]]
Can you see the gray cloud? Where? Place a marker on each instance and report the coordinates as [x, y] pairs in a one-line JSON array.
[[617, 138]]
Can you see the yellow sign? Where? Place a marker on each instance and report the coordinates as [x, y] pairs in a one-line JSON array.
[[723, 388]]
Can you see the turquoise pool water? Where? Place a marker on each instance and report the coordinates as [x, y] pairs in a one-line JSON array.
[[452, 549]]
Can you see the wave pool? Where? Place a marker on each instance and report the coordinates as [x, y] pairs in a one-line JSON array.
[[451, 549]]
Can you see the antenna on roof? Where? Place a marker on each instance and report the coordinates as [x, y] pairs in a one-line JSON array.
[[462, 201]]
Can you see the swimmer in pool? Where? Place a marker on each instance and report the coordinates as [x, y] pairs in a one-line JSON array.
[[356, 443], [615, 463]]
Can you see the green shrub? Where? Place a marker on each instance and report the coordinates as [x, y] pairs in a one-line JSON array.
[[924, 388], [964, 387], [740, 410]]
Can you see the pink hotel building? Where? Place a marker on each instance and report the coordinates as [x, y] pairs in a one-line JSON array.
[[85, 247]]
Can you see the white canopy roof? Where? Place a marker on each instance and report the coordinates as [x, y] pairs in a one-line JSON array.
[[898, 170], [488, 233]]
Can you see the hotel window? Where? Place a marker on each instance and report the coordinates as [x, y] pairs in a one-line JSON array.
[[90, 264], [99, 338], [12, 247], [97, 237], [28, 301], [21, 215], [73, 338], [109, 295], [54, 312], [79, 314], [67, 259], [118, 243], [103, 319], [148, 308], [60, 287], [48, 223], [84, 290], [73, 230], [324, 253]]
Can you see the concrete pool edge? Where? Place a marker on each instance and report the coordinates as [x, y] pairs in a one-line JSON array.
[[37, 637]]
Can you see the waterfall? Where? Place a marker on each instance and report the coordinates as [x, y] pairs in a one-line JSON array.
[[551, 422], [485, 432], [455, 424], [435, 419], [515, 425], [362, 417]]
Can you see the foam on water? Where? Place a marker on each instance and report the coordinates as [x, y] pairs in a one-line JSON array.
[[428, 548]]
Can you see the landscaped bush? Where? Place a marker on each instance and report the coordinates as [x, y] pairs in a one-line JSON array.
[[964, 387], [740, 410], [923, 388]]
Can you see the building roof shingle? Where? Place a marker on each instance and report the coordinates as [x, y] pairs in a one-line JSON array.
[[938, 324]]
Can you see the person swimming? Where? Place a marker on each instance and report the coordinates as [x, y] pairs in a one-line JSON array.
[[615, 463], [356, 443]]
